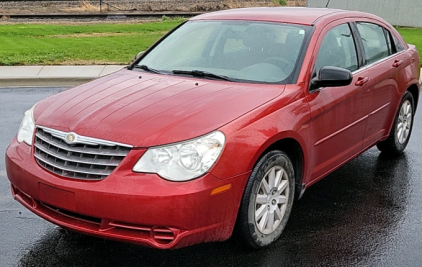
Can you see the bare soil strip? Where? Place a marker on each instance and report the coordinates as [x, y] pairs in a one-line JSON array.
[[85, 6]]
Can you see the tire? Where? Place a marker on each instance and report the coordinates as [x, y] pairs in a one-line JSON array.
[[402, 128], [268, 197]]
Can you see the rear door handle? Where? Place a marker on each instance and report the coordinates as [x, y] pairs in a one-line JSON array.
[[397, 63], [361, 81]]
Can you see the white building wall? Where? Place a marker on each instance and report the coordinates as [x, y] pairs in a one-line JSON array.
[[396, 12]]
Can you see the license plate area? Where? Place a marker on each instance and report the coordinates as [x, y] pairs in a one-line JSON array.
[[57, 197]]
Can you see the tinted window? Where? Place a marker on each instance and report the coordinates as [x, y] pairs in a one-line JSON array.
[[399, 47], [374, 41], [389, 44], [337, 49]]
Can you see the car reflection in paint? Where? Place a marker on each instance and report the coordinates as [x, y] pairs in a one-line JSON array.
[[219, 126]]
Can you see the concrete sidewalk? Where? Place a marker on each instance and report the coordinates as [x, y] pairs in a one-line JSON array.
[[52, 75]]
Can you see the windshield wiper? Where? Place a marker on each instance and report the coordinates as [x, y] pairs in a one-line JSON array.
[[200, 73], [146, 68]]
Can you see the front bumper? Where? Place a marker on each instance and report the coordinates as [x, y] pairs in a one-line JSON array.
[[132, 207]]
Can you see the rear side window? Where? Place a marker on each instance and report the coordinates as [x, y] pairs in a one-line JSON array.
[[376, 41], [337, 49], [399, 47]]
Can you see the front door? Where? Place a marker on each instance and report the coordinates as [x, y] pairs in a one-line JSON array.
[[339, 114]]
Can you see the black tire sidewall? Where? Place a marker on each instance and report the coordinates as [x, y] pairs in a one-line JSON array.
[[400, 147], [391, 145], [250, 233]]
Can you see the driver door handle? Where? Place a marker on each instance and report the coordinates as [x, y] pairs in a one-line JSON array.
[[361, 81], [397, 63]]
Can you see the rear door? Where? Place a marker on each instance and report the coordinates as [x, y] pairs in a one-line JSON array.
[[384, 62]]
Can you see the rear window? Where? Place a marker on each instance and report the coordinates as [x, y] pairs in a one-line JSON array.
[[375, 42]]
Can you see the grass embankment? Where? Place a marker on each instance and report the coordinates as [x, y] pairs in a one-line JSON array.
[[412, 36], [44, 44]]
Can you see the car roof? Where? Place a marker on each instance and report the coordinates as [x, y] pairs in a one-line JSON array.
[[295, 15]]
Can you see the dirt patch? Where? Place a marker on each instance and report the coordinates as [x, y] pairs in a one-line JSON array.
[[86, 6], [124, 6]]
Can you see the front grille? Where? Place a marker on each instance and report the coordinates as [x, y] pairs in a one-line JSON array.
[[84, 158]]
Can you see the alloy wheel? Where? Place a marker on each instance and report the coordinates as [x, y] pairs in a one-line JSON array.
[[271, 200], [404, 122]]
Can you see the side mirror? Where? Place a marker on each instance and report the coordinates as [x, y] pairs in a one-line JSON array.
[[332, 77], [139, 55]]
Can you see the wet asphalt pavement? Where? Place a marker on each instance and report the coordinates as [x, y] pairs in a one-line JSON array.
[[367, 213]]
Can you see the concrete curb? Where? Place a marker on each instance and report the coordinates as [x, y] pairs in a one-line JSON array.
[[420, 79], [53, 75]]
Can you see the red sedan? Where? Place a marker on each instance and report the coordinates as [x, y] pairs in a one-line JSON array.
[[218, 127]]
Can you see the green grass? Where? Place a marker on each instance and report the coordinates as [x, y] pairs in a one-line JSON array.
[[412, 36], [36, 44], [46, 44], [280, 2]]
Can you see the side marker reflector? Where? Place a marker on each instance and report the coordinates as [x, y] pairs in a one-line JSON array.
[[221, 189]]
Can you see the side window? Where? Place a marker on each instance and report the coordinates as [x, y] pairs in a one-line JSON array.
[[337, 49], [374, 41], [397, 44], [389, 44]]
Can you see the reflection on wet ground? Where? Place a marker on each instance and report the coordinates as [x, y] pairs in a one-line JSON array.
[[353, 217], [367, 213]]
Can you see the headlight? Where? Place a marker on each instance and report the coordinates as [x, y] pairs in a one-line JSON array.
[[26, 130], [183, 161]]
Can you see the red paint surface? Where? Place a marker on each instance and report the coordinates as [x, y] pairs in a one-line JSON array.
[[331, 126]]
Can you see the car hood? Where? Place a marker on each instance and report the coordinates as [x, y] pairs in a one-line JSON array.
[[150, 110]]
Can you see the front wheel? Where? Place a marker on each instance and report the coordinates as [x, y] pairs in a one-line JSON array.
[[267, 200], [402, 127]]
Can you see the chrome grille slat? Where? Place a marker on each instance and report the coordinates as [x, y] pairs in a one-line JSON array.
[[82, 139], [114, 163], [94, 160], [85, 149], [81, 170]]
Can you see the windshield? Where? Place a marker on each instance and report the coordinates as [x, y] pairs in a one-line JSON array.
[[229, 50]]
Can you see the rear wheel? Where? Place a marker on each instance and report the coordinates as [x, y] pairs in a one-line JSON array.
[[267, 200], [402, 127]]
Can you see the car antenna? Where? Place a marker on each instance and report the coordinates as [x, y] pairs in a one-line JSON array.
[[327, 3]]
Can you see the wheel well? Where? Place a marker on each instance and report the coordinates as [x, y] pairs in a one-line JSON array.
[[293, 149], [414, 90]]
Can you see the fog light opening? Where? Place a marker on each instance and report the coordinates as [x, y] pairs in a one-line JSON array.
[[163, 235]]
